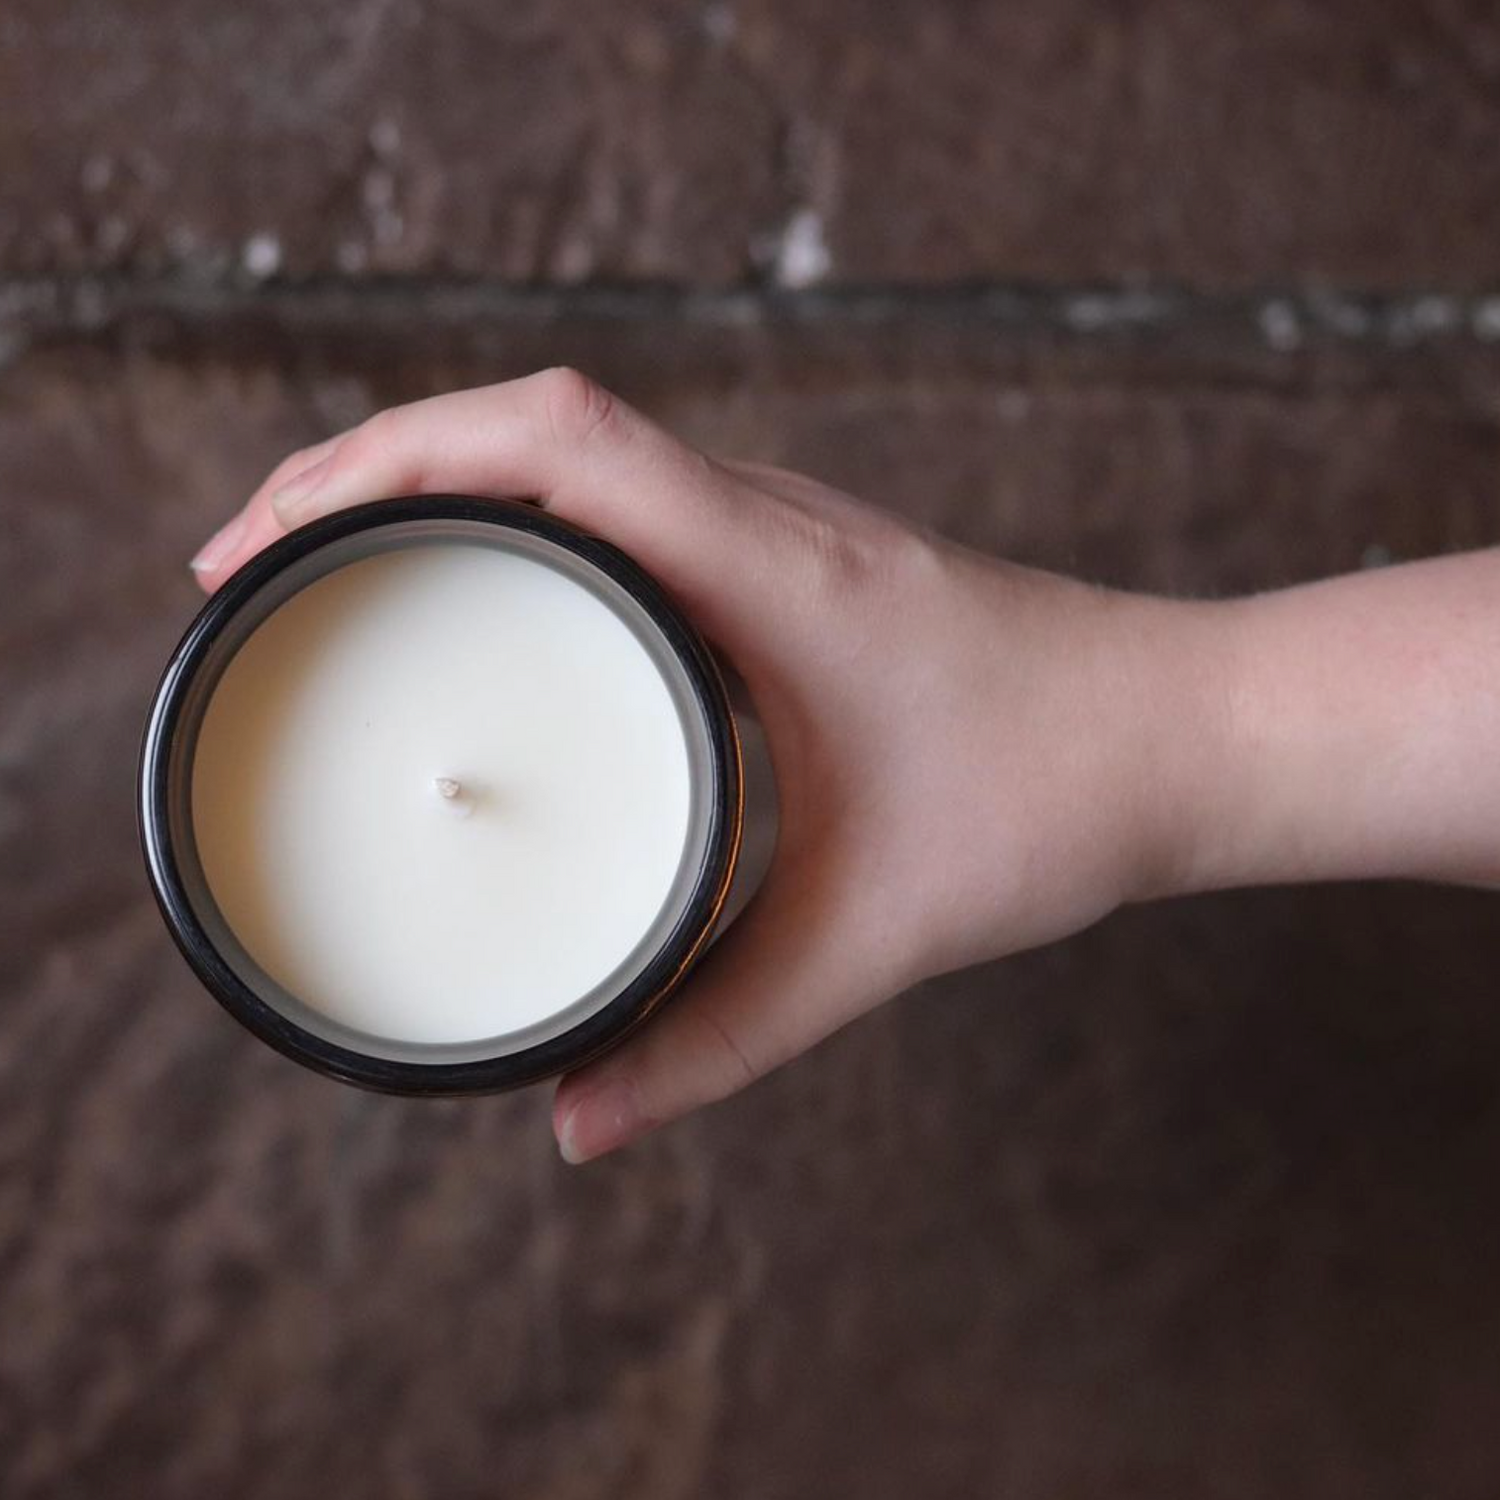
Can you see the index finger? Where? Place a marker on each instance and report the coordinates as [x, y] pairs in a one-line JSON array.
[[555, 437], [255, 525]]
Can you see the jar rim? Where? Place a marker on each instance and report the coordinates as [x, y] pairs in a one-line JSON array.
[[205, 939]]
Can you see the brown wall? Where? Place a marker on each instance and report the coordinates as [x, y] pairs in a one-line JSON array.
[[1192, 297]]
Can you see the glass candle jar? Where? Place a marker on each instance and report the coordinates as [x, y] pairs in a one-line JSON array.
[[442, 795]]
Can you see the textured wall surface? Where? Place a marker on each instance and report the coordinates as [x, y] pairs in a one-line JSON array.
[[1199, 1204]]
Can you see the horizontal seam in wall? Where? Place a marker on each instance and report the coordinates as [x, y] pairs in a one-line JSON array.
[[1281, 318]]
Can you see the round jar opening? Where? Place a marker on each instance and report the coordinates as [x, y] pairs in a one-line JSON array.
[[440, 785]]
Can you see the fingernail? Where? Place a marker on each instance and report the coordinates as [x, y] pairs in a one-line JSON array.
[[219, 546], [604, 1118], [290, 502]]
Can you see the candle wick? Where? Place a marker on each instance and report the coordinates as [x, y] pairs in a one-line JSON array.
[[453, 795]]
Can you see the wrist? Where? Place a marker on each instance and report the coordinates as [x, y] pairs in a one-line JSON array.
[[1358, 724], [1179, 708], [1338, 730]]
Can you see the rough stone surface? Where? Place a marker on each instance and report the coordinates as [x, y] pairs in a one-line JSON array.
[[1200, 1204], [718, 141], [1200, 299]]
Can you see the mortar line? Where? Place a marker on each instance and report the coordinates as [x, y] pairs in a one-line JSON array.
[[1282, 317]]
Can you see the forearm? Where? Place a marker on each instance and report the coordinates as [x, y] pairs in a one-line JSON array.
[[971, 758], [1341, 730]]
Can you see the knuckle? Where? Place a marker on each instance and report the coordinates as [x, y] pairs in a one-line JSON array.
[[878, 557], [375, 437], [378, 447], [841, 560], [577, 407], [917, 557], [294, 463], [290, 467]]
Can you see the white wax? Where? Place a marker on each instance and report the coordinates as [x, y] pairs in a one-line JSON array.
[[396, 904]]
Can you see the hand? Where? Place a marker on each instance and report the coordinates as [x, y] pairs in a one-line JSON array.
[[965, 751]]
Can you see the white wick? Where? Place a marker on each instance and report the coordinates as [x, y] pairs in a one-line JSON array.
[[454, 795]]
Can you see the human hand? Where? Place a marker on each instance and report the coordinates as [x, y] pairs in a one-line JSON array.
[[967, 753]]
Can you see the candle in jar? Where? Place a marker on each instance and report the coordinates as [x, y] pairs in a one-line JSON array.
[[441, 793]]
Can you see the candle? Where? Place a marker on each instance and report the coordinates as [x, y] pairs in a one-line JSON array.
[[441, 795]]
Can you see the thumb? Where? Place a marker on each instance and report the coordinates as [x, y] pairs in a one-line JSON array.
[[775, 985]]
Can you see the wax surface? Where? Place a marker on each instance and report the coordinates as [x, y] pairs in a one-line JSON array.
[[378, 898]]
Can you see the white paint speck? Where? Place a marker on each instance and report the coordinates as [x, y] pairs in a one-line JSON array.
[[1099, 312], [1280, 326], [385, 137], [1088, 313], [98, 172], [182, 241], [1422, 319], [378, 194], [1376, 555], [1341, 315], [261, 256], [802, 257], [1485, 320], [719, 23], [573, 259], [112, 235], [90, 306]]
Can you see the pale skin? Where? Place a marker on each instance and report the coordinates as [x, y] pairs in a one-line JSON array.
[[973, 758]]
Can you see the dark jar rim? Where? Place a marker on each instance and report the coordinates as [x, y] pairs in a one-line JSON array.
[[162, 794]]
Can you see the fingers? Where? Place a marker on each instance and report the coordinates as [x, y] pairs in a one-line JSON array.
[[555, 437], [256, 525], [773, 987]]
